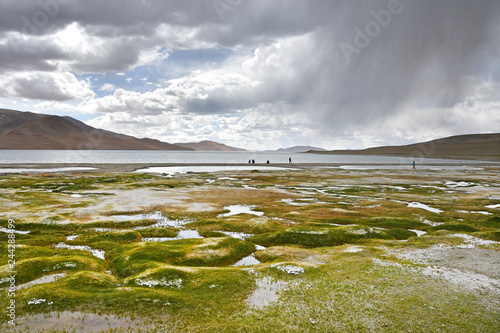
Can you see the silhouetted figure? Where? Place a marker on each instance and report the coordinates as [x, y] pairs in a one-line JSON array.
[[253, 161], [289, 160], [249, 161], [267, 162]]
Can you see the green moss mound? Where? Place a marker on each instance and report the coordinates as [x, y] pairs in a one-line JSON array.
[[455, 227], [132, 259], [394, 223], [31, 269], [158, 232], [401, 234], [89, 282], [320, 237]]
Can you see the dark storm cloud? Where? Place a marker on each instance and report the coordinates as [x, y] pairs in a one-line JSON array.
[[18, 55], [419, 58]]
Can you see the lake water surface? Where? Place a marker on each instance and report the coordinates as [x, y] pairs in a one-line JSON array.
[[201, 157]]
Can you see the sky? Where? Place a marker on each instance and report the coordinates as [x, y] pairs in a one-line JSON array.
[[258, 74]]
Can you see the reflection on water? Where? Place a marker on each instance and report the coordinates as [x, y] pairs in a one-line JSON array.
[[266, 292], [200, 157], [248, 261], [173, 170], [76, 322]]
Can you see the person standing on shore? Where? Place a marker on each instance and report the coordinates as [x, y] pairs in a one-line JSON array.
[[289, 160], [414, 168]]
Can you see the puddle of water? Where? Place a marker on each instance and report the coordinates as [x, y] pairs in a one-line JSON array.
[[295, 203], [248, 261], [74, 322], [105, 230], [183, 169], [177, 283], [240, 209], [183, 234], [434, 224], [422, 206], [474, 212], [354, 249], [473, 241], [493, 206], [13, 231], [266, 292], [96, 253], [162, 221], [42, 280], [36, 301], [290, 269], [458, 184], [418, 232], [227, 178], [239, 235]]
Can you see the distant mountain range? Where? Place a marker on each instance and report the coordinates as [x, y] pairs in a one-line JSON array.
[[297, 149], [207, 145], [460, 146], [27, 130]]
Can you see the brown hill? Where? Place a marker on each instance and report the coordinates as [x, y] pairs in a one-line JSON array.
[[461, 146], [26, 130], [208, 146]]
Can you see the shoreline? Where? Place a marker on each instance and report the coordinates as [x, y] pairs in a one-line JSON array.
[[132, 167]]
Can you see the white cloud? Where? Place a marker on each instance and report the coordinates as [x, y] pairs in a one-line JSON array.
[[201, 92], [45, 86], [107, 87]]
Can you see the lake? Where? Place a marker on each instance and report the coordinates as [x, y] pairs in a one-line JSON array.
[[201, 157]]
